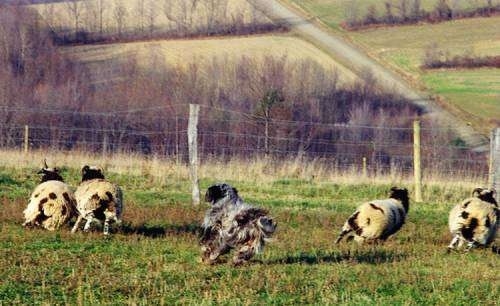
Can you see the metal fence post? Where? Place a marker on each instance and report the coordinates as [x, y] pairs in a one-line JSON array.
[[26, 138]]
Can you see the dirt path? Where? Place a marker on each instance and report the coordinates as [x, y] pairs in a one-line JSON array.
[[357, 61]]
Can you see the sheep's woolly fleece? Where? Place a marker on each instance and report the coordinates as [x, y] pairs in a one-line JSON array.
[[52, 203], [97, 199], [475, 220], [378, 219]]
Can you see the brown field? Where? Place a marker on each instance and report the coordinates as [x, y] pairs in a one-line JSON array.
[[203, 52]]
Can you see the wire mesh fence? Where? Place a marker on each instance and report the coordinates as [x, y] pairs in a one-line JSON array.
[[226, 134]]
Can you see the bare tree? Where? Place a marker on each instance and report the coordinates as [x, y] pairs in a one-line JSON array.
[[271, 99], [141, 13], [403, 9], [389, 17], [120, 14], [74, 8], [100, 13], [352, 12], [416, 10], [151, 15]]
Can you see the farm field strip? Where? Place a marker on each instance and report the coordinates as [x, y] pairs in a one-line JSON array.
[[403, 48], [182, 53]]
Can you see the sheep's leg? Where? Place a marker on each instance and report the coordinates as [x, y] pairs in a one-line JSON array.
[[344, 232], [77, 224], [28, 223], [90, 218], [106, 226], [454, 242], [471, 245]]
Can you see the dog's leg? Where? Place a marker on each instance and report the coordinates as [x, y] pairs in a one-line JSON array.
[[243, 254]]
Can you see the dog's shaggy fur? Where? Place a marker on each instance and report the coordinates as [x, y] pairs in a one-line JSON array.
[[97, 199], [475, 220], [52, 203], [232, 224], [377, 220]]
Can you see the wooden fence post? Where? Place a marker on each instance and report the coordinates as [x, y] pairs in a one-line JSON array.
[[104, 144], [417, 169], [494, 171], [194, 110], [26, 138], [365, 172]]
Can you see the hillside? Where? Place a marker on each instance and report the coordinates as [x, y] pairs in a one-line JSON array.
[[202, 52], [473, 95]]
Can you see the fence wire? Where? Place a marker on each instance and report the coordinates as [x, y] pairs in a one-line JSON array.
[[228, 134]]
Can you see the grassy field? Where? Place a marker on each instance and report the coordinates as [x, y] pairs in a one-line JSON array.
[[154, 259], [334, 12], [403, 49], [202, 52]]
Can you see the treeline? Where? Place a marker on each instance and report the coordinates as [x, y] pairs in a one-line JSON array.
[[402, 12], [436, 58], [118, 21], [249, 106]]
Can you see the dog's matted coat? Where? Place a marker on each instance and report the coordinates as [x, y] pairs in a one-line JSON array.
[[231, 223]]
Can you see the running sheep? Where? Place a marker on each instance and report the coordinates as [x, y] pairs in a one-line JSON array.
[[377, 220], [231, 223], [474, 221], [97, 200], [52, 203]]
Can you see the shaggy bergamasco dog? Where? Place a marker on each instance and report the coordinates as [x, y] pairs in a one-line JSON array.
[[230, 223]]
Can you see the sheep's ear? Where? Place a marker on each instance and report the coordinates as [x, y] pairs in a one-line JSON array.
[[56, 170], [478, 190], [85, 169], [45, 163]]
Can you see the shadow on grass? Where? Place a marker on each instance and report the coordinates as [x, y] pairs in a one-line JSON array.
[[159, 231], [371, 256]]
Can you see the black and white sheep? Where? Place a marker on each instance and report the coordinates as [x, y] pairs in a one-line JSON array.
[[475, 220], [97, 200], [232, 224], [377, 220], [52, 203]]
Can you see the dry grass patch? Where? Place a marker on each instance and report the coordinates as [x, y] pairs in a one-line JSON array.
[[202, 53]]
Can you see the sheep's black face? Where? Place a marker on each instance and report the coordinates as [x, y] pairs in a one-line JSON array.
[[402, 195], [90, 173], [216, 192], [486, 195], [50, 174]]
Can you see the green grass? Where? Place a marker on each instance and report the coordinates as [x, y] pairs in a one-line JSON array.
[[476, 91], [154, 258]]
